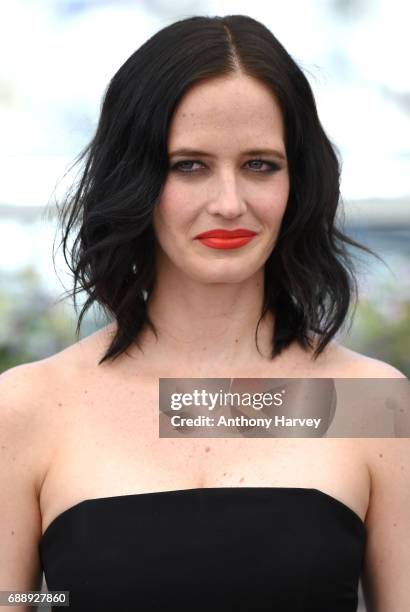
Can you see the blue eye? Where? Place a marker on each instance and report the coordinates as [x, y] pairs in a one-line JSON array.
[[181, 166], [272, 167]]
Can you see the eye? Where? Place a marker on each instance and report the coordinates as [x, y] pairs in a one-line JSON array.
[[185, 166], [272, 167]]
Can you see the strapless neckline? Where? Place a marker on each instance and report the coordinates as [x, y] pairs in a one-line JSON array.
[[98, 501]]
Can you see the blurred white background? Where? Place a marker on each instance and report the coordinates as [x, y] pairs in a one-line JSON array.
[[58, 56]]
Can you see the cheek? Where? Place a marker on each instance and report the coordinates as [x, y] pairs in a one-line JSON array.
[[174, 209], [273, 203], [282, 188]]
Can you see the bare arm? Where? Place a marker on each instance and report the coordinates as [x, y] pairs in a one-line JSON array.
[[387, 561], [386, 573], [22, 465]]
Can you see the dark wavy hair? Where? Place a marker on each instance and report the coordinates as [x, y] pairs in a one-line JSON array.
[[309, 278]]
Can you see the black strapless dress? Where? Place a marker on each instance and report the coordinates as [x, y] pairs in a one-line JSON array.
[[218, 549]]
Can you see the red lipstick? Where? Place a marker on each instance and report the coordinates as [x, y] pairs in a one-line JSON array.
[[226, 239]]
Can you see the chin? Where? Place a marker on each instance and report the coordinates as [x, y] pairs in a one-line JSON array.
[[227, 274]]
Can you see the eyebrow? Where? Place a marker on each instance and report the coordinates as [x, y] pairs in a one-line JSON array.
[[273, 152]]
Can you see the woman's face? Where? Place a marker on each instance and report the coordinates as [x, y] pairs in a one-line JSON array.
[[228, 170]]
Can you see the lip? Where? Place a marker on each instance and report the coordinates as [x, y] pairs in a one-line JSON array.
[[227, 234], [226, 243]]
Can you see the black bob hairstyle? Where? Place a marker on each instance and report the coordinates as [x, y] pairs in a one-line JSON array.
[[309, 278]]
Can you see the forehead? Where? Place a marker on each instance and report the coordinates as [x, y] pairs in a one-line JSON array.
[[234, 107]]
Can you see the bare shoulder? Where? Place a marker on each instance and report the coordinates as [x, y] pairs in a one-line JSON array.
[[387, 555], [23, 389], [28, 389], [345, 363], [351, 364], [387, 559], [26, 442], [83, 355], [24, 397], [31, 396], [387, 519]]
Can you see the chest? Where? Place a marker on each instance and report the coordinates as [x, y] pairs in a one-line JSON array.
[[107, 444]]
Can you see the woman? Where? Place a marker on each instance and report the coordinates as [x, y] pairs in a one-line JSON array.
[[209, 127]]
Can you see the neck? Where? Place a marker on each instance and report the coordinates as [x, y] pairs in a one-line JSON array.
[[208, 327]]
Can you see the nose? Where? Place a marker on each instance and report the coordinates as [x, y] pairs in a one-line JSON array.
[[226, 199]]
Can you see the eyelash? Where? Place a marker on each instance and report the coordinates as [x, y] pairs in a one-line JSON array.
[[272, 166]]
